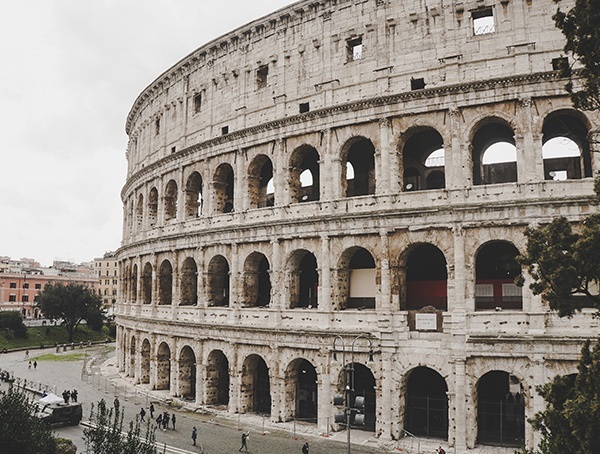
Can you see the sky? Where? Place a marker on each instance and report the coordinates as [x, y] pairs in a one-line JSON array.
[[70, 71]]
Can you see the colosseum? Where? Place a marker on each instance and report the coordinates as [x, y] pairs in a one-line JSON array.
[[331, 198]]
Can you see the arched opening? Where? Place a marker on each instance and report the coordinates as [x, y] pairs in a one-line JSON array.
[[223, 184], [361, 156], [426, 412], [358, 279], [256, 390], [257, 281], [304, 280], [301, 399], [500, 410], [304, 175], [423, 161], [147, 284], [217, 379], [189, 282], [187, 374], [145, 362], [217, 277], [426, 278], [165, 283], [494, 154], [362, 383], [565, 147], [139, 212], [132, 356], [163, 367], [496, 269], [260, 186], [171, 200], [193, 196], [134, 284], [152, 207]]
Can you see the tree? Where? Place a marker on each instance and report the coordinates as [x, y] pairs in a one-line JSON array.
[[105, 435], [564, 265], [12, 324], [20, 430], [71, 303], [580, 27]]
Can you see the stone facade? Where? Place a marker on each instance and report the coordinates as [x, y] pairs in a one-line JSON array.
[[353, 177]]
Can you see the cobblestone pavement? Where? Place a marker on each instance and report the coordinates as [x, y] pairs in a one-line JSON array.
[[95, 377]]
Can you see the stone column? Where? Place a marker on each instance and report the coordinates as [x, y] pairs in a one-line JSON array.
[[278, 292], [180, 215], [459, 173], [174, 372], [325, 276], [240, 182], [386, 158], [153, 360], [530, 164], [385, 292], [456, 401], [280, 174], [325, 395]]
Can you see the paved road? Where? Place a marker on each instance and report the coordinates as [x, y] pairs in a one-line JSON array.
[[219, 435]]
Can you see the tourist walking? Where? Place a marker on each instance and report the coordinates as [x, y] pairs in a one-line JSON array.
[[142, 414], [73, 394], [194, 435], [152, 411], [159, 420], [35, 367], [305, 448], [173, 419], [245, 436], [166, 421]]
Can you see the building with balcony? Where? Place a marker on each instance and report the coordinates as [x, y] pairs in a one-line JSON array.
[[364, 171]]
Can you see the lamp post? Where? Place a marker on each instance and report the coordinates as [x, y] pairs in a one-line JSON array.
[[346, 399]]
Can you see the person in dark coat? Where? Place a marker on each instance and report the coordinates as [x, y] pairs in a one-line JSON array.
[[142, 414], [305, 448], [152, 411], [74, 395], [194, 435], [245, 436], [173, 419], [159, 420]]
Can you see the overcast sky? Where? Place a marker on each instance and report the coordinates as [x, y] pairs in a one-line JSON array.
[[70, 71]]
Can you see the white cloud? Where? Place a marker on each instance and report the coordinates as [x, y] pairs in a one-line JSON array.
[[71, 71]]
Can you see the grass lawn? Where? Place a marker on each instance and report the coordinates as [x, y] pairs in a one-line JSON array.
[[50, 335]]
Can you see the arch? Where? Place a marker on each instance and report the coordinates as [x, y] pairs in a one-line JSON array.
[[152, 207], [500, 410], [187, 373], [217, 379], [494, 153], [303, 279], [362, 383], [134, 283], [163, 367], [145, 362], [423, 160], [257, 281], [189, 282], [301, 394], [170, 200], [223, 183], [304, 174], [193, 196], [165, 283], [256, 389], [359, 153], [217, 276], [565, 146], [426, 278], [426, 412], [357, 277], [260, 175], [496, 268], [147, 284], [139, 212]]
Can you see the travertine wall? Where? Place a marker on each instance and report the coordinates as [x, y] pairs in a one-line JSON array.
[[221, 230]]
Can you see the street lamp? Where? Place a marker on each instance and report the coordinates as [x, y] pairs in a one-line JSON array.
[[350, 408]]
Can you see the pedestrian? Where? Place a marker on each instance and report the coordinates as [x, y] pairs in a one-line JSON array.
[[35, 367], [305, 448], [142, 414], [440, 450], [245, 436], [159, 420], [26, 353], [194, 435], [151, 410], [74, 395], [29, 367], [166, 421], [173, 419]]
